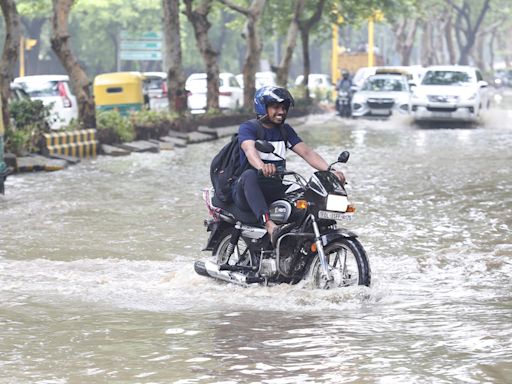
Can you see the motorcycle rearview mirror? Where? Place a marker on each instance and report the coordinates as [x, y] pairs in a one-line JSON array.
[[264, 146], [343, 157]]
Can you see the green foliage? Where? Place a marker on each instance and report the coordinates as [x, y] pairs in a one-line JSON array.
[[28, 119], [151, 118], [116, 128]]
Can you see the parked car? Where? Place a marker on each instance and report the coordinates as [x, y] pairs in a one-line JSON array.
[[54, 91], [155, 87], [261, 79], [450, 93], [502, 78], [319, 84], [382, 96], [230, 93], [18, 93]]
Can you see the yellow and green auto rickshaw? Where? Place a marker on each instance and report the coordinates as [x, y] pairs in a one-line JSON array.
[[121, 91]]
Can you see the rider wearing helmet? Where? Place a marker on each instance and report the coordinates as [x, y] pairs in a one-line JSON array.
[[258, 185]]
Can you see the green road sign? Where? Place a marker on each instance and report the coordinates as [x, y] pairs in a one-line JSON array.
[[141, 55], [138, 45], [125, 35]]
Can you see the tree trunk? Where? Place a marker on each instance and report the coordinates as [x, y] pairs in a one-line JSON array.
[[304, 28], [448, 37], [291, 43], [405, 32], [177, 95], [198, 17], [80, 83], [9, 54], [465, 30], [253, 52]]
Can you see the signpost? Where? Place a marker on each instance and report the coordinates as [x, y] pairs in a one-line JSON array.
[[145, 46]]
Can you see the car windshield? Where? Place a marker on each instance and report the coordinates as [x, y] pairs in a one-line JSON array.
[[42, 88], [446, 78], [154, 83], [383, 84]]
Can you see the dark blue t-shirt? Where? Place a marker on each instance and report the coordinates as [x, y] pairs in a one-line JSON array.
[[248, 131]]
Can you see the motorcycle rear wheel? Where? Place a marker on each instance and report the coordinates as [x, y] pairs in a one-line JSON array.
[[348, 265], [241, 253]]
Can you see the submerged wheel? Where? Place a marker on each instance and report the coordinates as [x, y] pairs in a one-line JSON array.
[[241, 253], [348, 265]]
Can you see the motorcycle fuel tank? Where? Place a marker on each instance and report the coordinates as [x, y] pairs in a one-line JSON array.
[[280, 211]]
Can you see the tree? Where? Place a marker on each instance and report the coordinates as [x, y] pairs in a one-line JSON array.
[[291, 42], [198, 17], [305, 26], [253, 52], [177, 94], [9, 54], [77, 76], [467, 26]]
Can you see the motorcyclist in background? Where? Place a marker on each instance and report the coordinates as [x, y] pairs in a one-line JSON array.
[[344, 89], [345, 82]]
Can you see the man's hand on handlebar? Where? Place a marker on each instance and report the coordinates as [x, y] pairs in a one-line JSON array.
[[340, 176], [268, 170]]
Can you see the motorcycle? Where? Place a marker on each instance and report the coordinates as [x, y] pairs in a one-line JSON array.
[[343, 101], [312, 249]]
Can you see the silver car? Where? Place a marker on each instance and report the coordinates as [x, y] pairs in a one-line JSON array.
[[382, 96]]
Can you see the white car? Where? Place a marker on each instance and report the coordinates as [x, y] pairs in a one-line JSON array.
[[318, 83], [54, 91], [450, 93], [382, 96], [155, 87], [261, 79], [231, 95]]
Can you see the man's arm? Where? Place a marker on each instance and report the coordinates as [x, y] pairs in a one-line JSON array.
[[248, 146], [314, 159]]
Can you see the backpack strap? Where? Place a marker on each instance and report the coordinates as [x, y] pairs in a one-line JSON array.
[[260, 133]]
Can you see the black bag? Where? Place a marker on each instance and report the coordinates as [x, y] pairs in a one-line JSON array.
[[226, 168]]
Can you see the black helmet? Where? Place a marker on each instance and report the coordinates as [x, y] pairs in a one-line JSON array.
[[344, 74]]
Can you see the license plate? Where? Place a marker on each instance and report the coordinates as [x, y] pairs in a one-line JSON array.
[[381, 112], [442, 114], [329, 215]]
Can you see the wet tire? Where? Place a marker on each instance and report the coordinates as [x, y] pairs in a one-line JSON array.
[[348, 265], [241, 254]]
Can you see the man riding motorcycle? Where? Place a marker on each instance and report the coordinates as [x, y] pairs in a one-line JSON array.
[[258, 185], [344, 89]]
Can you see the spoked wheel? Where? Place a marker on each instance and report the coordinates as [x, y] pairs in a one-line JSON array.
[[348, 265], [241, 253]]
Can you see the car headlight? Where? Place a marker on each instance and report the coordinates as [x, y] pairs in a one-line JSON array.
[[472, 96], [359, 99]]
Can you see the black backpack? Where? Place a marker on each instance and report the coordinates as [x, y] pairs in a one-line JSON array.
[[226, 168]]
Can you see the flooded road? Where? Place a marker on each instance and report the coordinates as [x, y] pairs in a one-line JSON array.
[[97, 282]]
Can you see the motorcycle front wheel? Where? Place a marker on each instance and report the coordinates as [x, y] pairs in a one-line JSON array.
[[348, 265], [240, 255]]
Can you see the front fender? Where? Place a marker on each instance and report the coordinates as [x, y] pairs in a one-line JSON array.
[[336, 234]]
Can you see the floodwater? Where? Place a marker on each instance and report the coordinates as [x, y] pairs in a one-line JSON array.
[[97, 282]]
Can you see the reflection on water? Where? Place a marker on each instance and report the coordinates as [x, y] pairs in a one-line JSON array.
[[97, 281]]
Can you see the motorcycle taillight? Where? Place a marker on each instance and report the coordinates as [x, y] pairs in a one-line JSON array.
[[213, 211]]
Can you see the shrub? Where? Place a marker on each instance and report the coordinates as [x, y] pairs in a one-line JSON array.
[[114, 128], [28, 122]]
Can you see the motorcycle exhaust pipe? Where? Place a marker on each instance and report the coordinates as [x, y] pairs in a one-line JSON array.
[[209, 269]]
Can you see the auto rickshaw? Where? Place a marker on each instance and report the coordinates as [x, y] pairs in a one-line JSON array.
[[121, 91]]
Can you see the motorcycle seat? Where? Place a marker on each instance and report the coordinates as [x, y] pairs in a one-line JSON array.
[[230, 209]]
